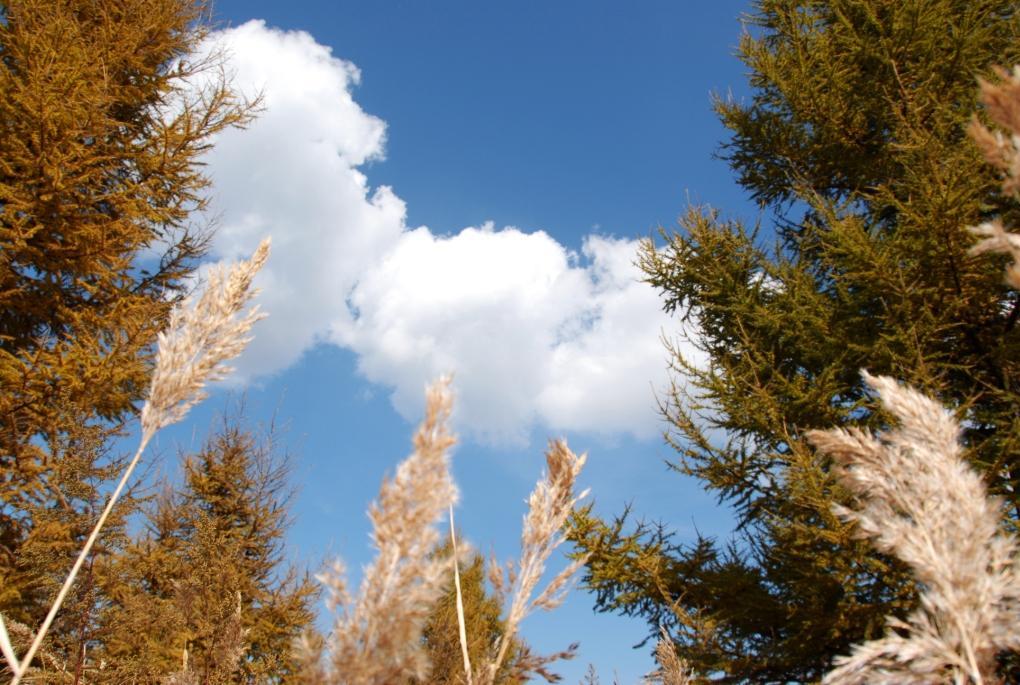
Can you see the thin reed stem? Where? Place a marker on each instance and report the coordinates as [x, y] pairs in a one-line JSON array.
[[461, 624], [6, 648], [22, 667]]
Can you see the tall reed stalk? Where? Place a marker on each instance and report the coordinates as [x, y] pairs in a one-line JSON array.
[[200, 337]]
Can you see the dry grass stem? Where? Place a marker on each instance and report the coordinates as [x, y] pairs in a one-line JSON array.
[[190, 353], [921, 502], [6, 648], [48, 668], [461, 622], [550, 504], [376, 639]]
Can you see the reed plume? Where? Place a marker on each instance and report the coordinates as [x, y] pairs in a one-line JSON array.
[[1001, 148], [921, 502], [549, 505], [673, 668], [376, 638], [200, 337]]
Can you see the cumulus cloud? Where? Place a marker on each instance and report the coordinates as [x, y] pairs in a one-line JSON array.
[[535, 333]]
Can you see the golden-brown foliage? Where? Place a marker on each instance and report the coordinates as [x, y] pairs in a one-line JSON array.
[[211, 557], [101, 127], [854, 139], [483, 627]]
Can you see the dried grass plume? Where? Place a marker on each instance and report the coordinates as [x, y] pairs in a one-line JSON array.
[[549, 505], [191, 353], [376, 639], [200, 339], [673, 669], [1001, 148], [919, 501]]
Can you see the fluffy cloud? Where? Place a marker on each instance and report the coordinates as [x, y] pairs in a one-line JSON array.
[[294, 175], [532, 331], [535, 333]]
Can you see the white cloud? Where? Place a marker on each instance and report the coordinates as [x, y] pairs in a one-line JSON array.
[[294, 175], [531, 331], [602, 378], [534, 333]]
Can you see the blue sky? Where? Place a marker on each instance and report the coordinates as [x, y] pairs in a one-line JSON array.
[[457, 186]]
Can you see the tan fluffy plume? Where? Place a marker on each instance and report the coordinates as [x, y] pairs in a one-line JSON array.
[[920, 501], [376, 638]]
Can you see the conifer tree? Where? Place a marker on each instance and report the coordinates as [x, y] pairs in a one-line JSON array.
[[483, 627], [101, 127], [205, 589], [855, 144]]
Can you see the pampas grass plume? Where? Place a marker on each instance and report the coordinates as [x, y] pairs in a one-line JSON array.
[[1001, 149], [190, 353], [376, 638], [919, 500], [549, 505], [673, 669], [199, 339]]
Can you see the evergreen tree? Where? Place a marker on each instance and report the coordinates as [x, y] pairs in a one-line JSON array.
[[101, 127], [206, 579], [483, 625], [855, 142]]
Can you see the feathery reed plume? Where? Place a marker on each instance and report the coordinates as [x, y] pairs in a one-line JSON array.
[[376, 639], [550, 504], [191, 352], [1002, 104], [199, 339], [673, 669], [591, 676], [995, 238], [921, 502]]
